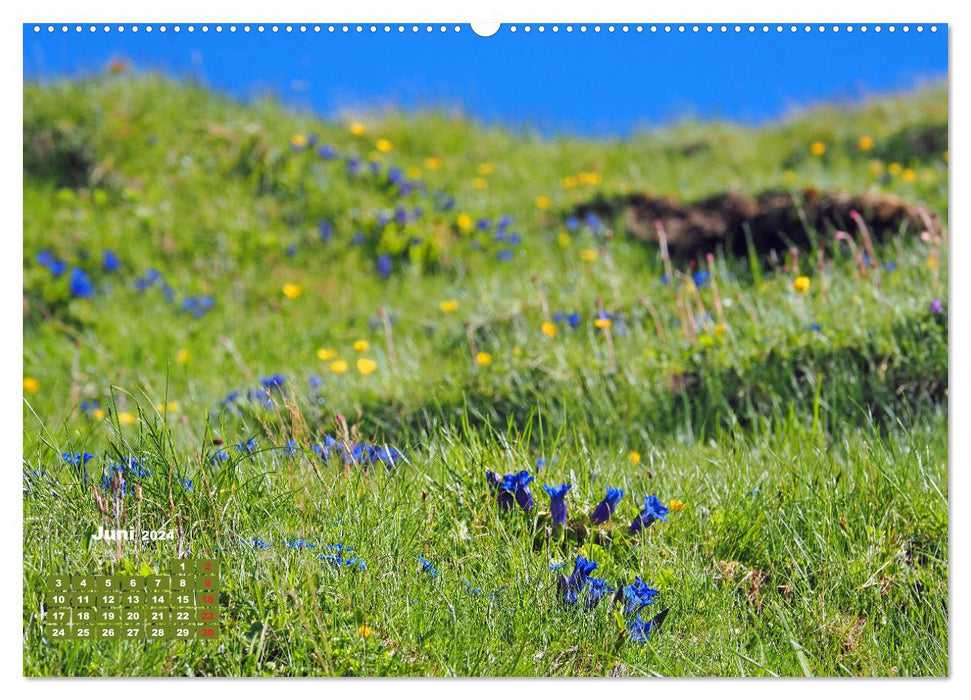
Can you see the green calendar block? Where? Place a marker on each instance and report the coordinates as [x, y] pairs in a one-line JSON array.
[[57, 632], [83, 599], [157, 632], [158, 582], [57, 599], [158, 598], [132, 583], [183, 567], [133, 616], [208, 616], [108, 599], [157, 616], [133, 598], [107, 633], [57, 582], [83, 616], [132, 631], [58, 616], [107, 584], [81, 583], [108, 616], [79, 631], [183, 600], [183, 583], [207, 631], [207, 566]]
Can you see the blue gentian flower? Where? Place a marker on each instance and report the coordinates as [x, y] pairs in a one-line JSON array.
[[384, 266], [503, 487], [483, 224], [701, 278], [187, 484], [324, 230], [353, 165], [249, 446], [597, 588], [427, 567], [605, 509], [77, 459], [80, 284], [109, 261], [505, 255], [640, 631], [300, 543], [524, 497], [339, 560], [653, 510], [557, 496], [47, 259], [636, 595], [274, 381], [395, 175], [327, 152], [569, 588], [592, 221], [258, 543], [573, 319], [219, 456], [572, 223]]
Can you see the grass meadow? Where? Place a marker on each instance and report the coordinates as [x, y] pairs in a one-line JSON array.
[[282, 337]]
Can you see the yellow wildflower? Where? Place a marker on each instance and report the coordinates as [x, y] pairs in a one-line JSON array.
[[464, 222], [817, 148], [183, 356], [720, 330], [549, 330], [98, 414], [31, 385], [635, 458], [126, 418], [569, 182], [326, 354], [543, 202], [366, 366], [801, 284], [361, 345], [865, 143], [298, 140], [364, 631], [486, 169], [448, 306], [908, 175], [433, 163], [483, 358], [480, 183], [338, 366], [895, 169], [676, 505], [292, 291], [383, 145], [588, 254], [358, 129], [564, 239], [603, 323]]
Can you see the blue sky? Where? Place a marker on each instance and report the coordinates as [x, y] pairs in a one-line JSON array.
[[589, 83]]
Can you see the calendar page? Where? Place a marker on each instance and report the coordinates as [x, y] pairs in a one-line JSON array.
[[485, 350]]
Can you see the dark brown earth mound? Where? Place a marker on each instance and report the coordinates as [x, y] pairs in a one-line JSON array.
[[777, 220]]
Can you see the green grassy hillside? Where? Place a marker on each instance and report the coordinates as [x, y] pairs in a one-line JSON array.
[[221, 290]]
